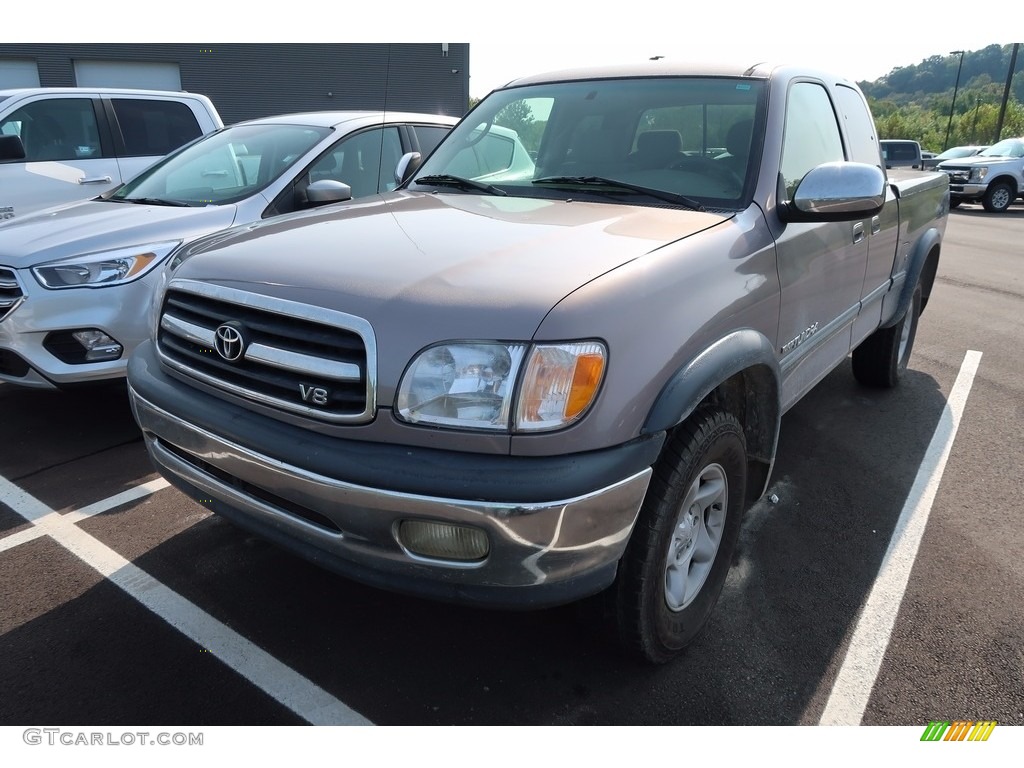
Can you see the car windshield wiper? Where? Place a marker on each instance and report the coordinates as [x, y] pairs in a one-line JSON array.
[[447, 180], [153, 201], [601, 181]]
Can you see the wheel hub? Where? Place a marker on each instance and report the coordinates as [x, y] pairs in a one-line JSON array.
[[696, 536]]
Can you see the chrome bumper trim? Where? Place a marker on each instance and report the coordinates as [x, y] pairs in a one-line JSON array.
[[530, 543]]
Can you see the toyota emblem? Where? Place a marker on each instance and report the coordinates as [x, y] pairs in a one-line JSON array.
[[229, 342]]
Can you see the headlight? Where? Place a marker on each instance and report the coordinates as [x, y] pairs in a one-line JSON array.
[[474, 385], [979, 174], [461, 385], [98, 270]]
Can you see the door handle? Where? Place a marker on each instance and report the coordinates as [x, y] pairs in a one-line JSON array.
[[858, 232], [876, 225], [95, 180]]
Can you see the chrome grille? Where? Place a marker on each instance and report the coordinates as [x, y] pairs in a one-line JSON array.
[[11, 294], [957, 175], [308, 360]]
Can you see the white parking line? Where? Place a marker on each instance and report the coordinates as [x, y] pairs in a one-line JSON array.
[[856, 678], [288, 687], [132, 494]]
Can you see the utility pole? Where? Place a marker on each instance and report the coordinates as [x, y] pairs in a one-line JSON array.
[[952, 106], [974, 123], [1006, 91]]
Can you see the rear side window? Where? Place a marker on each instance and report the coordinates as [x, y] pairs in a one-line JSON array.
[[55, 129], [151, 127], [429, 136], [860, 128]]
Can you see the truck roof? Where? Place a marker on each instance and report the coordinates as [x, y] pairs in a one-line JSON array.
[[6, 92], [760, 70]]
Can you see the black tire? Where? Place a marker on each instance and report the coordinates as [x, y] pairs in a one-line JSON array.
[[881, 359], [706, 454], [997, 197], [954, 202]]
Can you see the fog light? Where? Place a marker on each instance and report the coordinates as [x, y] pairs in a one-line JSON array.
[[98, 345], [443, 541]]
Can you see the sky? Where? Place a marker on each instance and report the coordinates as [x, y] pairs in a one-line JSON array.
[[523, 37]]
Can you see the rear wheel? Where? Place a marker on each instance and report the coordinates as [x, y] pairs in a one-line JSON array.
[[881, 359], [998, 197], [677, 559]]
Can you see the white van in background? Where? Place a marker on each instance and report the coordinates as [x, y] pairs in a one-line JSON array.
[[61, 145]]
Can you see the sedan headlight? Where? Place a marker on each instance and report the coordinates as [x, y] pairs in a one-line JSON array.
[[501, 387], [98, 270], [979, 174]]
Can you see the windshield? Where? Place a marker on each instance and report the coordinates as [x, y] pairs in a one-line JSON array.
[[685, 138], [224, 167], [957, 152], [1005, 148]]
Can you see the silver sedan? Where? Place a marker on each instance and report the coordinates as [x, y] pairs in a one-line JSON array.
[[76, 281]]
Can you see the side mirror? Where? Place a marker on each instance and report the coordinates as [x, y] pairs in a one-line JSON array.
[[328, 191], [11, 148], [837, 192], [407, 166]]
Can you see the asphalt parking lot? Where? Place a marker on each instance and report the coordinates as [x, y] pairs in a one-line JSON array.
[[881, 583]]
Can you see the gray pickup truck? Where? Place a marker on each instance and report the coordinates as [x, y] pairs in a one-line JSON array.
[[520, 384]]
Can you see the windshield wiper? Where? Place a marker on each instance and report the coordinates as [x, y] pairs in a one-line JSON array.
[[153, 201], [601, 181], [447, 180]]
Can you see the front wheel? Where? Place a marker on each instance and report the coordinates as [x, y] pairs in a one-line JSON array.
[[881, 359], [998, 197], [676, 562]]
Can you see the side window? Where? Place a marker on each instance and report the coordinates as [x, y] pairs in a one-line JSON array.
[[812, 134], [859, 126], [429, 136], [498, 152], [56, 129], [365, 161], [153, 127]]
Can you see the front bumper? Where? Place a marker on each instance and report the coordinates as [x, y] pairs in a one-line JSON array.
[[28, 360], [552, 540], [967, 191]]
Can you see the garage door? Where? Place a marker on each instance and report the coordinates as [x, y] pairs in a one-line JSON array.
[[18, 73], [161, 76]]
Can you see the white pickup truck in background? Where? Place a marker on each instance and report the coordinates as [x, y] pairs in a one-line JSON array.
[[61, 145], [994, 177]]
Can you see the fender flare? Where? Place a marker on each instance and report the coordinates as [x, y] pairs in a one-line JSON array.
[[746, 352], [915, 271]]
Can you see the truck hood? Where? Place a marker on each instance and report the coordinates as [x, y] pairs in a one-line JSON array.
[[96, 225], [973, 162], [496, 265]]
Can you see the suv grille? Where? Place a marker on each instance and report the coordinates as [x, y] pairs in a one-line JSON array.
[[308, 360], [11, 294]]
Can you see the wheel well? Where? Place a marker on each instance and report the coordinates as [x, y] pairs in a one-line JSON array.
[[928, 272], [1008, 180], [752, 397]]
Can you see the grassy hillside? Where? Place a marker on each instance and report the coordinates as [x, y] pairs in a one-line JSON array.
[[914, 102]]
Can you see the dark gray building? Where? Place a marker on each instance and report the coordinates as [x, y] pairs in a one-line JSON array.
[[246, 80]]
